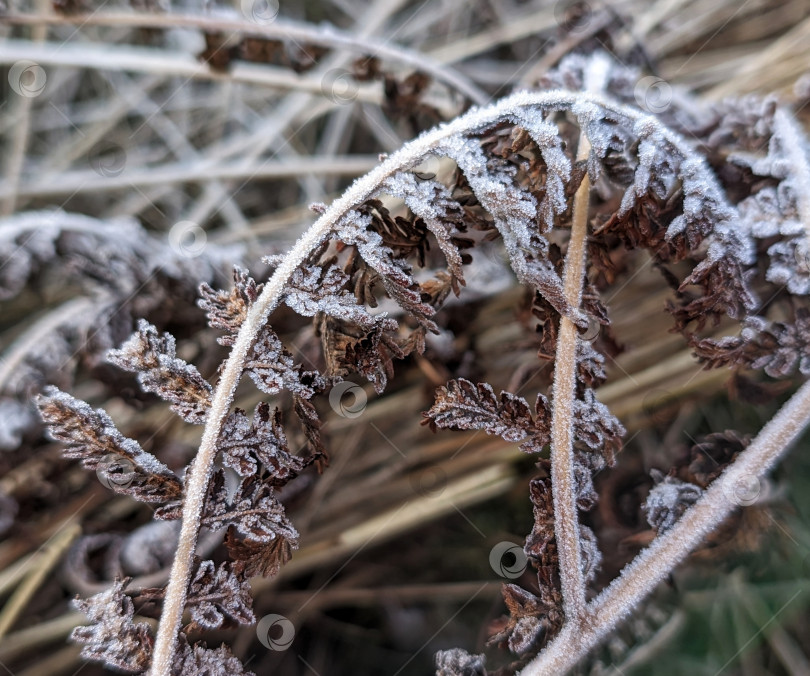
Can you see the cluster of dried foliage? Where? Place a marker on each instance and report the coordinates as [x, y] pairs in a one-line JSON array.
[[570, 179], [514, 178]]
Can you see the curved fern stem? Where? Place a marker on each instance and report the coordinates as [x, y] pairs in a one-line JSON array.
[[566, 521], [200, 471], [563, 485]]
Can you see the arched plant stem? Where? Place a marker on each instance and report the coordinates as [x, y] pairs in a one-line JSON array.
[[199, 473], [566, 521], [650, 567], [563, 484], [201, 469]]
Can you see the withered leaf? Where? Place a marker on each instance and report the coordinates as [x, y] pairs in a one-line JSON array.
[[540, 546], [309, 419], [372, 355], [198, 660], [463, 405], [254, 510], [152, 357], [779, 348], [713, 454], [92, 437], [226, 310], [246, 443], [432, 202], [357, 229], [590, 364], [668, 500], [528, 619], [218, 595], [457, 662], [589, 550], [596, 427], [112, 637], [258, 558], [348, 348]]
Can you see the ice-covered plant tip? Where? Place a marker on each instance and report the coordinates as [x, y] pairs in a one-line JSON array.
[[570, 179]]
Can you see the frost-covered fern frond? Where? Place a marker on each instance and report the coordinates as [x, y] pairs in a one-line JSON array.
[[555, 176]]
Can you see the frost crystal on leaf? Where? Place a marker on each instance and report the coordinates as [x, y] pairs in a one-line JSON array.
[[668, 500], [779, 348], [321, 289], [152, 357], [112, 637], [91, 436], [463, 405], [457, 662], [784, 210], [596, 427], [254, 510], [515, 214], [218, 595], [558, 166], [200, 661], [432, 202], [246, 443], [273, 369], [591, 556]]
